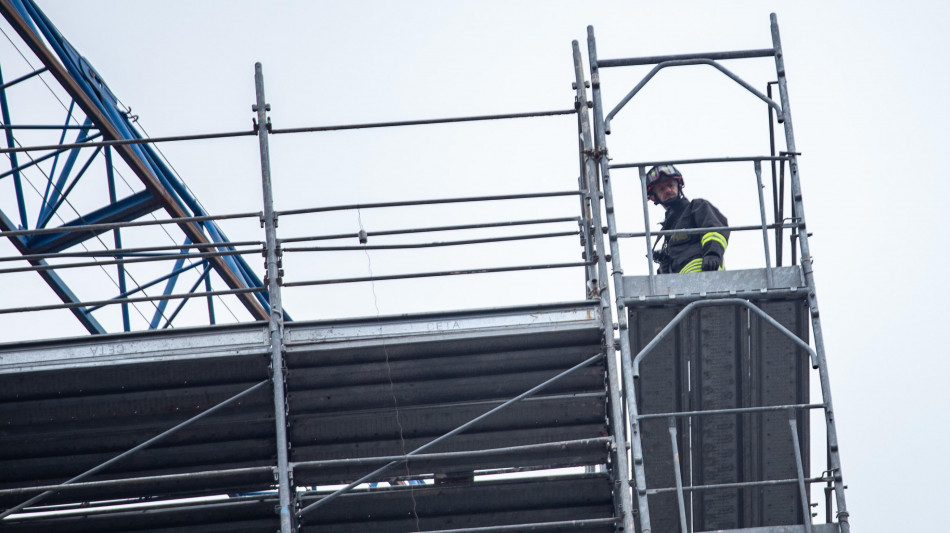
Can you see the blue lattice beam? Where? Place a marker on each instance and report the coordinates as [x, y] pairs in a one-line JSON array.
[[129, 208], [163, 190]]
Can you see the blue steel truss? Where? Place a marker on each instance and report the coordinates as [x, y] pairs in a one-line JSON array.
[[94, 114]]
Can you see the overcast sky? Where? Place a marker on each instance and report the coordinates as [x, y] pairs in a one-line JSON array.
[[865, 81]]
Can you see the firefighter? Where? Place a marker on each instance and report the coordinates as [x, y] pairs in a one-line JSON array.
[[683, 253]]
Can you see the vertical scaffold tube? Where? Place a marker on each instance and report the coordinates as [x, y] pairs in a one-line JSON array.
[[584, 180], [276, 325], [600, 155], [799, 467], [646, 228], [765, 232], [678, 473], [806, 264], [620, 467]]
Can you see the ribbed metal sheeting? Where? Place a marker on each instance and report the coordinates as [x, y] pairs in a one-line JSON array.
[[353, 397], [388, 396], [69, 407], [720, 358], [359, 392]]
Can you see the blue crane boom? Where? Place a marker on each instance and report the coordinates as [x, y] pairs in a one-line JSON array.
[[105, 120]]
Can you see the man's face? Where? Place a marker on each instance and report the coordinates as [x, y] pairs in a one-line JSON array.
[[666, 189]]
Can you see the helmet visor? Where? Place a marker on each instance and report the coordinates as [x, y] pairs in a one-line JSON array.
[[660, 173]]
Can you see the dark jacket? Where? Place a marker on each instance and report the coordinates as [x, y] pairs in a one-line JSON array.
[[683, 253]]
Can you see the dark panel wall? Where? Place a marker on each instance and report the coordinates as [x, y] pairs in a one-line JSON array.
[[722, 357]]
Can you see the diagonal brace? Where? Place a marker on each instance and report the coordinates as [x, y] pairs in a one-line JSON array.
[[708, 303]]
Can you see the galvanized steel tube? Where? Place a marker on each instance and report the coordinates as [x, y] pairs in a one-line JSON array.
[[276, 324], [736, 159], [708, 303], [652, 60], [806, 261], [686, 62], [746, 484], [646, 230], [802, 490], [597, 282], [765, 231], [678, 474], [600, 152]]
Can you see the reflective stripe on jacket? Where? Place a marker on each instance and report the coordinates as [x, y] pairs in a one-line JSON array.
[[686, 251]]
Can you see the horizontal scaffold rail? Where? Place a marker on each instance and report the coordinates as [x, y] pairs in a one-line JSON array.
[[276, 131], [733, 159], [652, 60]]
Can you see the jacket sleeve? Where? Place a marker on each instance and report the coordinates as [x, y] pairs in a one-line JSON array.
[[707, 216]]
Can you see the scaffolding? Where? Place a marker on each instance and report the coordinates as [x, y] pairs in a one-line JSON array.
[[723, 384], [586, 414]]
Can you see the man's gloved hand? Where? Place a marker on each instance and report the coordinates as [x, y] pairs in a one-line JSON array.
[[714, 246], [711, 262]]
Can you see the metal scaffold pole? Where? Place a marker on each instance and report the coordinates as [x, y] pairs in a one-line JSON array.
[[600, 161], [620, 466], [806, 263], [276, 325]]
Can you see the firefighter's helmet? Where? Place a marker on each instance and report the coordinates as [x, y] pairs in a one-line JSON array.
[[660, 173]]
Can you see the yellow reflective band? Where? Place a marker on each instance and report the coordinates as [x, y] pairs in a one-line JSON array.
[[714, 236], [696, 265]]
